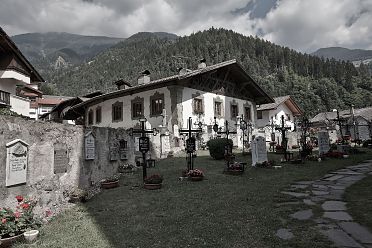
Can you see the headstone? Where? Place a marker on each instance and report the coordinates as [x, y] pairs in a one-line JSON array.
[[16, 162], [90, 148], [259, 153], [323, 142], [165, 144], [114, 153], [136, 144], [60, 160], [344, 148]]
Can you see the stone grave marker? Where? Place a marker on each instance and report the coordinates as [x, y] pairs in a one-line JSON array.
[[323, 142], [90, 148], [114, 153], [16, 162], [259, 153], [60, 160], [343, 148]]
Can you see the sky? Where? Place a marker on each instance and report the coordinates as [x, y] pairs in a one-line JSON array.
[[304, 25]]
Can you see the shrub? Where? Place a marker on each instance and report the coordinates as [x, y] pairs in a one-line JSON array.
[[217, 147], [367, 142]]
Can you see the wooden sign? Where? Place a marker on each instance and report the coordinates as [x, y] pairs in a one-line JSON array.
[[60, 161], [16, 162], [90, 148], [144, 144], [190, 145]]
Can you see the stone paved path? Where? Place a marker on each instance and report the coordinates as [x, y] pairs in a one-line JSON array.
[[327, 193]]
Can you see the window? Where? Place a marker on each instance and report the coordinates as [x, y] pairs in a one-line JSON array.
[[288, 117], [157, 106], [117, 111], [217, 108], [247, 114], [98, 115], [234, 111], [90, 117], [4, 97], [137, 110], [198, 106], [123, 144], [259, 114]]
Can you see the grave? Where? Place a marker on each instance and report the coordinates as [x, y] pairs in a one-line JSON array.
[[323, 142], [190, 144], [90, 148], [229, 157], [16, 162], [259, 153]]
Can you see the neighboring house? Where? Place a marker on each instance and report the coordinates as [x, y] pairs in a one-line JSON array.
[[361, 130], [222, 91], [272, 113], [18, 78]]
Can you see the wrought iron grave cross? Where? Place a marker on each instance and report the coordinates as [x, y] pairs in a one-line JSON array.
[[190, 143]]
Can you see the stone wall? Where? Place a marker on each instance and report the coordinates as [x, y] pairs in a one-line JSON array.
[[48, 182]]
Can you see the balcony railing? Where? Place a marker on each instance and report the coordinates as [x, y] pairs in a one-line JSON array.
[[4, 97]]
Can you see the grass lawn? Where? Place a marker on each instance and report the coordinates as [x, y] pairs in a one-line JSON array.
[[359, 201], [220, 211]]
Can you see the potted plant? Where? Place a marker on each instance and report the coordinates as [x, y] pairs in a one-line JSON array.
[[195, 175], [153, 182], [14, 222], [110, 182], [78, 195], [235, 168]]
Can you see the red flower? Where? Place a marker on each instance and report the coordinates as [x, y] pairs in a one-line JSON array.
[[19, 198], [3, 221], [17, 214], [25, 206]]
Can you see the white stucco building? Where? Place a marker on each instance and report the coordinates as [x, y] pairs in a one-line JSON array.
[[222, 91], [16, 72]]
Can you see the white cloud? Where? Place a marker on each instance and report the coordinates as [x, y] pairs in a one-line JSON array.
[[301, 24]]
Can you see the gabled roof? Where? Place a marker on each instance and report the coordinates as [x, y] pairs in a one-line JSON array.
[[366, 113], [6, 41], [262, 96], [287, 100]]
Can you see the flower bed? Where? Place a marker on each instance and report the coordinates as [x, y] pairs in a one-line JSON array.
[[195, 175], [153, 182], [236, 168], [266, 164], [111, 182], [14, 222], [334, 154]]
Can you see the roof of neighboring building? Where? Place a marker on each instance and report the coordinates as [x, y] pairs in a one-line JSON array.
[[366, 113], [262, 96], [5, 40], [287, 100]]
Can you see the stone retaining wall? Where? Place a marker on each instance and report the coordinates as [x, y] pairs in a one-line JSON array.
[[44, 138]]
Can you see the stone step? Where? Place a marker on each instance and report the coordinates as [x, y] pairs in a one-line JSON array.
[[357, 231], [338, 215], [334, 206], [341, 238]]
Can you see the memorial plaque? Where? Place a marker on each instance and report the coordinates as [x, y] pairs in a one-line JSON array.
[[123, 154], [228, 149], [16, 162], [114, 153], [60, 161], [323, 142], [259, 153], [190, 145], [90, 148], [144, 144]]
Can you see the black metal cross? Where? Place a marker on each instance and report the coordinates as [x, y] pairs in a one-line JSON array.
[[144, 142], [190, 143], [228, 148], [283, 129]]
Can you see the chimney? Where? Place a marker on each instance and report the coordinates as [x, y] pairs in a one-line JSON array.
[[182, 71], [202, 64], [144, 78]]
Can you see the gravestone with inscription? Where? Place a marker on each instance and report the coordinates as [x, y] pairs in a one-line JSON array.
[[16, 162], [90, 148], [259, 153], [114, 153], [323, 142], [60, 160]]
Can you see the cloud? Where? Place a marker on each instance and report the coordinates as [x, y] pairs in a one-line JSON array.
[[309, 25], [301, 24]]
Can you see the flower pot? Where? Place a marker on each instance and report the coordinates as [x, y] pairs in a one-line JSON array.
[[196, 178], [152, 186], [31, 236], [234, 172], [110, 185], [8, 242]]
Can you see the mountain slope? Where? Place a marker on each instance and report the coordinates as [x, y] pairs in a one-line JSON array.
[[317, 84], [340, 53]]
